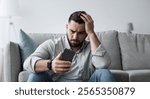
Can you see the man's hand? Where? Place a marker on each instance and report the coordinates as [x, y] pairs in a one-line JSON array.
[[89, 23], [89, 28], [60, 66]]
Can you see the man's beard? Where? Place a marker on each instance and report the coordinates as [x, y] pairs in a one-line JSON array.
[[75, 43]]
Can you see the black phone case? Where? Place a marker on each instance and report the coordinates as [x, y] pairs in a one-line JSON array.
[[68, 55]]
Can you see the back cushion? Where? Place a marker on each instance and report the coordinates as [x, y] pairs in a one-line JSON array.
[[109, 40], [135, 50], [41, 37]]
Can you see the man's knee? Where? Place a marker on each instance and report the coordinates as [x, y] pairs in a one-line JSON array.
[[102, 75], [39, 77], [102, 72]]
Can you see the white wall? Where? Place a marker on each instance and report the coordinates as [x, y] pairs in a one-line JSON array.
[[52, 15]]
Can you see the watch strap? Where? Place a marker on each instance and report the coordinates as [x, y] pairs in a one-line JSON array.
[[49, 64]]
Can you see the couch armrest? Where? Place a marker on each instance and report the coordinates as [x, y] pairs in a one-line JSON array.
[[12, 62]]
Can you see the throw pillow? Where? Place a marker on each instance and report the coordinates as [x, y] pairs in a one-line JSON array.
[[27, 45]]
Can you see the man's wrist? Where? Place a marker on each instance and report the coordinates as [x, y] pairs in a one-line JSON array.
[[91, 34]]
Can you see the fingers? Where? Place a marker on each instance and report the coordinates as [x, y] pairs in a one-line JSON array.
[[86, 17], [61, 70], [60, 66], [58, 56], [89, 23]]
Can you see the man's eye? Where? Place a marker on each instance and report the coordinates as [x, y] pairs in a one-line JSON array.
[[72, 31], [81, 33]]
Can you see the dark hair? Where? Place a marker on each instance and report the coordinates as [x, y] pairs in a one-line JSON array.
[[76, 17]]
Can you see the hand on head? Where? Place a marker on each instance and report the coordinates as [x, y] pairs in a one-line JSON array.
[[89, 23]]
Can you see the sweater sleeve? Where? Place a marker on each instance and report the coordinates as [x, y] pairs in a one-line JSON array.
[[44, 51], [101, 59]]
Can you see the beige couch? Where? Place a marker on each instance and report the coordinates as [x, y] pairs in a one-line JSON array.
[[129, 53]]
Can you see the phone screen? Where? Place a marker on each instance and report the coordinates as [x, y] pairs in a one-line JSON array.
[[68, 55]]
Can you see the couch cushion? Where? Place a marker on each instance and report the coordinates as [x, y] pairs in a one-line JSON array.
[[41, 37], [139, 75], [23, 76], [109, 40], [120, 75], [135, 51], [27, 45]]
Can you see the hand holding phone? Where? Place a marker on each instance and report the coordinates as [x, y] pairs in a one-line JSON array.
[[61, 63]]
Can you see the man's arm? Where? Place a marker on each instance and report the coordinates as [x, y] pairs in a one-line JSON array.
[[37, 62], [100, 58], [41, 65], [89, 28], [57, 66]]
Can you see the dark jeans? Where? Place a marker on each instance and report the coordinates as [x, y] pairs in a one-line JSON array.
[[99, 75]]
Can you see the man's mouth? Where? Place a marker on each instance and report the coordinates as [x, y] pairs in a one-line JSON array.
[[75, 41]]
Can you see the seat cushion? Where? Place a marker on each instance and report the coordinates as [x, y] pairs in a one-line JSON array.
[[120, 75], [135, 51], [139, 75], [23, 76]]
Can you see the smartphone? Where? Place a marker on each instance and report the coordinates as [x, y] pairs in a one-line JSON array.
[[67, 55]]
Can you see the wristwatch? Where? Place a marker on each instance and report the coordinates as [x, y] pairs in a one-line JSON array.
[[49, 64]]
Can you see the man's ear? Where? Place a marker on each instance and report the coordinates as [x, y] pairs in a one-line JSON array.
[[66, 26]]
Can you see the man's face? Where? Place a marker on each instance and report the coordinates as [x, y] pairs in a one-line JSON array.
[[76, 33]]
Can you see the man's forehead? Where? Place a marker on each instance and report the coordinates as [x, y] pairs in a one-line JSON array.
[[76, 26], [74, 22]]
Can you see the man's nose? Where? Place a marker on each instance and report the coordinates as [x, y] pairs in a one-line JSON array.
[[75, 36]]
